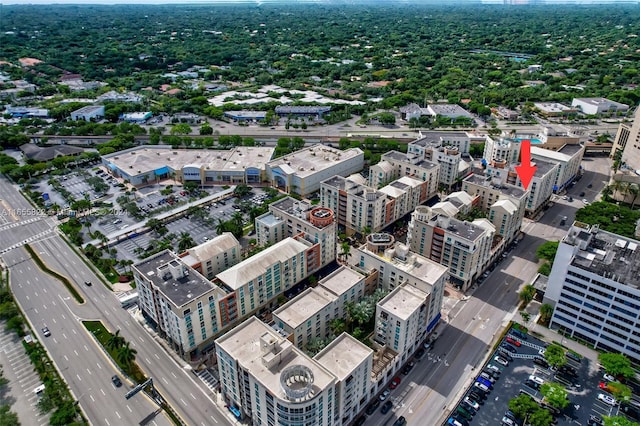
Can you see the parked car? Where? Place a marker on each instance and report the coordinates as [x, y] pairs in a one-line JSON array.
[[477, 396], [394, 383], [484, 381], [504, 354], [453, 422], [536, 379], [519, 334], [594, 421], [492, 374], [509, 348], [488, 377], [385, 393], [608, 377], [373, 407], [573, 356], [481, 386], [607, 399], [513, 341], [400, 422], [568, 370], [464, 413], [533, 385], [500, 360], [408, 368], [494, 368], [420, 353], [471, 403], [386, 407], [541, 362], [507, 421]]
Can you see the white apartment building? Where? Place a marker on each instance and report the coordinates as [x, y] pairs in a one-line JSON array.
[[464, 247], [501, 150], [394, 165], [397, 266], [267, 381], [179, 301], [401, 319], [504, 203], [568, 158], [445, 149], [627, 144], [595, 288], [540, 188], [302, 171], [253, 284], [350, 361], [289, 217], [214, 256], [360, 208], [308, 315]]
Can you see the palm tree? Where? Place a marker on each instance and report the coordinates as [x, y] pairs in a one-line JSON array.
[[126, 355], [346, 251], [221, 227], [527, 293], [634, 189], [546, 311], [606, 192], [185, 242], [115, 341]]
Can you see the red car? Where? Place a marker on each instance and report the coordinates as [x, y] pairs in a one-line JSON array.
[[394, 383], [513, 341]]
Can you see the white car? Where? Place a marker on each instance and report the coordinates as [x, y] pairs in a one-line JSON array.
[[507, 421], [585, 201], [608, 377], [384, 394], [536, 379], [471, 403], [494, 368], [501, 361], [607, 399], [481, 386]]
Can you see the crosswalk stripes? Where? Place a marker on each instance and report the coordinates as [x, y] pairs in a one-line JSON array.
[[22, 222], [36, 237], [208, 379]]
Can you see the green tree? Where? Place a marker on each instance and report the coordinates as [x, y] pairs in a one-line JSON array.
[[9, 418], [241, 190], [185, 242], [126, 355], [527, 293], [115, 341], [555, 355], [620, 391], [345, 252], [547, 250], [554, 395], [618, 421], [181, 129], [617, 365], [546, 311], [540, 417], [522, 406]]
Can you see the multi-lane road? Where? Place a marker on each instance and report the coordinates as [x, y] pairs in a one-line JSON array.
[[80, 360]]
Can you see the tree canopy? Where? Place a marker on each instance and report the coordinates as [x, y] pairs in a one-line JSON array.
[[617, 365]]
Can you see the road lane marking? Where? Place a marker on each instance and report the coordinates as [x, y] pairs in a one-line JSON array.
[[34, 309], [99, 366], [174, 376], [107, 422], [79, 378], [64, 335], [63, 317], [118, 414], [214, 419], [165, 380], [130, 410], [74, 331], [101, 390], [89, 371], [35, 293], [75, 352], [184, 402], [86, 348], [92, 398], [65, 358], [192, 396], [156, 355], [148, 360]]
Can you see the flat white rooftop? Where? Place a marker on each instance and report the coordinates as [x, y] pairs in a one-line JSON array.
[[343, 355], [314, 159], [341, 280], [255, 266], [304, 307], [243, 344], [403, 301]]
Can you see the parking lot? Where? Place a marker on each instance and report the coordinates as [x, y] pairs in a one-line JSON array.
[[515, 378], [23, 380]]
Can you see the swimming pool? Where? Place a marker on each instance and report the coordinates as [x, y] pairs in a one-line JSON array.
[[533, 140]]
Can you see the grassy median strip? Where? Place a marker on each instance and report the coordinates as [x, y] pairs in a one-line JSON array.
[[56, 275], [124, 356]]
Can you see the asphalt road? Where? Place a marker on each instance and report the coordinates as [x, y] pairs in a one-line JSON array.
[[80, 360]]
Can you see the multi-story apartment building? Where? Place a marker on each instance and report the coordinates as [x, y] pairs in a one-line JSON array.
[[266, 380], [504, 203], [595, 288], [628, 135], [464, 247], [502, 150], [360, 208], [307, 316], [289, 217], [302, 171], [401, 319], [398, 266], [394, 165], [568, 157], [540, 188], [214, 256], [350, 361], [180, 302], [445, 149], [256, 282]]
